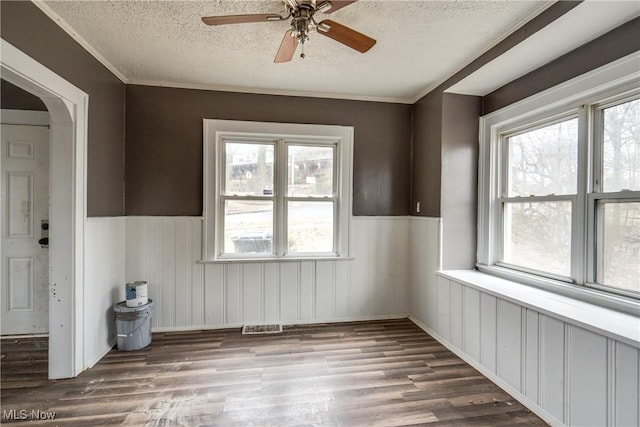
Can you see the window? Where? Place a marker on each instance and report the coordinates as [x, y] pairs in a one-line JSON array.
[[559, 194], [276, 190], [616, 196], [538, 196]]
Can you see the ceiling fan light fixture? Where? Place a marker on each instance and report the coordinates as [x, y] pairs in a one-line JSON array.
[[293, 4], [323, 27], [324, 6]]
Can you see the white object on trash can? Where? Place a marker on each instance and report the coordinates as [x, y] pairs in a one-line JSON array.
[[136, 293], [133, 325]]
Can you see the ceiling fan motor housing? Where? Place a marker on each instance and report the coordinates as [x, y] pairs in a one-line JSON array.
[[302, 21]]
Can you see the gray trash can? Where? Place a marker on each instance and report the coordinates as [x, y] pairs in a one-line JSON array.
[[133, 325]]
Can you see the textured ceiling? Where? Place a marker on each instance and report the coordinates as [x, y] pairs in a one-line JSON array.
[[420, 43]]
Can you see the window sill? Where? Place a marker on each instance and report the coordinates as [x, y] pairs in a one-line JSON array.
[[620, 325], [265, 260]]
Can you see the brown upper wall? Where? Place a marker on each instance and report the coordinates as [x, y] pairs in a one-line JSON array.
[[27, 28], [165, 145], [459, 197], [616, 44], [14, 98], [426, 158], [427, 138]]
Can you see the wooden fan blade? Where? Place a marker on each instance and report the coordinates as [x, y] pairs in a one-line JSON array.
[[287, 48], [346, 35], [240, 19], [336, 5]]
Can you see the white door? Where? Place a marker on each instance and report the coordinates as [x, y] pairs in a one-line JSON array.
[[25, 208]]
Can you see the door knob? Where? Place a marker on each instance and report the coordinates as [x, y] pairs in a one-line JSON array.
[[44, 236]]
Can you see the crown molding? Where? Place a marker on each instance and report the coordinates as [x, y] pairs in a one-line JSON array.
[[81, 41]]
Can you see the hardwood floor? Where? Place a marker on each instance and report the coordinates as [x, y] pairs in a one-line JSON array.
[[383, 373]]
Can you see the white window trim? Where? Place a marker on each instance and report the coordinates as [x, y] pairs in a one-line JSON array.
[[615, 78], [214, 130]]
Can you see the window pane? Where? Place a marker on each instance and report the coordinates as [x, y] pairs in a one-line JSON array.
[[249, 169], [310, 171], [544, 161], [538, 235], [621, 147], [310, 226], [248, 226], [619, 251]]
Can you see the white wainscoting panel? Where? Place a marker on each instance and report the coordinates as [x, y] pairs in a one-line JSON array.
[[471, 322], [424, 247], [104, 280], [508, 343], [456, 313], [165, 251], [488, 331], [552, 364], [587, 371], [443, 306], [626, 410], [531, 359], [566, 373]]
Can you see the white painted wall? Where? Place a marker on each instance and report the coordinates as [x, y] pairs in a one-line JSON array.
[[187, 294], [104, 263]]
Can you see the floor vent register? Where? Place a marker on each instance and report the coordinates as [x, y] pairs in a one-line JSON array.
[[261, 329]]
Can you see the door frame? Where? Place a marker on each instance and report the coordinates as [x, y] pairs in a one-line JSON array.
[[68, 108]]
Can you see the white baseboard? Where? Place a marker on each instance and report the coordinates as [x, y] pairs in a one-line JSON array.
[[291, 323], [112, 344], [8, 337]]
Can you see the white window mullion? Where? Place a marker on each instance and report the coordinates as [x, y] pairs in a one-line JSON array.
[[504, 242], [503, 229], [219, 180], [591, 239], [336, 200], [580, 215], [495, 208], [280, 235]]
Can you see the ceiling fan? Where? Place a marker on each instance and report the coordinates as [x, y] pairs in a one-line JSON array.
[[302, 23]]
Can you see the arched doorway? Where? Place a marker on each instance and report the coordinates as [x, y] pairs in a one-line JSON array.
[[68, 109]]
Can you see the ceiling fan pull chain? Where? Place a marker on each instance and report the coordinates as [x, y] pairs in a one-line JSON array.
[[302, 52]]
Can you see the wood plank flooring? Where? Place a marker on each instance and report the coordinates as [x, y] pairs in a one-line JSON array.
[[383, 373]]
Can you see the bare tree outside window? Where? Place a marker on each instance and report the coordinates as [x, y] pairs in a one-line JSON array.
[[544, 161], [538, 236], [620, 245], [618, 237], [621, 147], [542, 168]]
